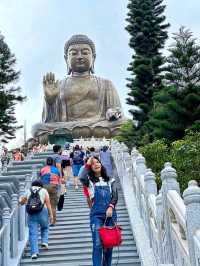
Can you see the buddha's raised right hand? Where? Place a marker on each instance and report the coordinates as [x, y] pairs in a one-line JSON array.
[[51, 87]]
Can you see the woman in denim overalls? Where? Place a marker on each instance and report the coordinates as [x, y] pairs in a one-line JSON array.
[[101, 192]]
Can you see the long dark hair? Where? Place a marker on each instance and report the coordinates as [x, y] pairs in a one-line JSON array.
[[104, 175], [37, 183]]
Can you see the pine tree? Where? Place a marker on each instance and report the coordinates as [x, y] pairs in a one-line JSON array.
[[146, 25], [177, 107], [9, 94]]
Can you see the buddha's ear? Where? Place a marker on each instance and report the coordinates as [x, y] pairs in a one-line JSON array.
[[69, 70], [92, 67]]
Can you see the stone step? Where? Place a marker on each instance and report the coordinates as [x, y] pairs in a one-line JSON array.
[[66, 223], [23, 167], [77, 259], [77, 230], [115, 262], [65, 249], [84, 211], [29, 162], [19, 172], [84, 227], [125, 235], [83, 242], [73, 218]]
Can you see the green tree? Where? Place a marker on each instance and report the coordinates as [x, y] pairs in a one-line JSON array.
[[9, 93], [148, 30], [127, 134], [177, 106]]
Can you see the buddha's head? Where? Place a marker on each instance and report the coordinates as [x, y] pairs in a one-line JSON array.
[[80, 54]]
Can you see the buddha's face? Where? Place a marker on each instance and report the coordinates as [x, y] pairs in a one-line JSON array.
[[80, 58]]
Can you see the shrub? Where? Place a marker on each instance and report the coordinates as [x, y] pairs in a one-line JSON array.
[[156, 154], [183, 154]]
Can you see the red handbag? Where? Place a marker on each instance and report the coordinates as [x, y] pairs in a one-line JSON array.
[[111, 236]]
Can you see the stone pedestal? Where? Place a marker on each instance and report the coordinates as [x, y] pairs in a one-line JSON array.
[[60, 132]]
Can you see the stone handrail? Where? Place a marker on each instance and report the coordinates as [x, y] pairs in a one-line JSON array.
[[92, 142], [171, 223], [14, 230]]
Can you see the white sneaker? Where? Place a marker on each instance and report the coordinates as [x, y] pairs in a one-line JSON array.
[[44, 245], [76, 187], [34, 256]]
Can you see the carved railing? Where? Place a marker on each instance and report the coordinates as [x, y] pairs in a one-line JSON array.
[[14, 230], [92, 142], [172, 223]]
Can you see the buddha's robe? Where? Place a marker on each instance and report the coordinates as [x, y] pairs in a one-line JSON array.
[[83, 100]]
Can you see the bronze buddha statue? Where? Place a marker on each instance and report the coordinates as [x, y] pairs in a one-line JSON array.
[[82, 104]]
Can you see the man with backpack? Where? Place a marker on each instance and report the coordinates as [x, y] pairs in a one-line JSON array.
[[38, 208], [51, 179], [77, 157]]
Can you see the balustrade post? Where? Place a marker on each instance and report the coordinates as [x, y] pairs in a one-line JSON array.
[[6, 238], [28, 181], [150, 182], [14, 226], [169, 182], [192, 201], [128, 167], [150, 188], [159, 221], [34, 172], [140, 170], [121, 161], [140, 166], [22, 213], [134, 154], [118, 162]]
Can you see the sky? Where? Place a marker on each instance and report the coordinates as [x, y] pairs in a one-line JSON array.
[[36, 31]]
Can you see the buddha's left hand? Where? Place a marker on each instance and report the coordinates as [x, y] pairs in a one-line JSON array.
[[109, 212]]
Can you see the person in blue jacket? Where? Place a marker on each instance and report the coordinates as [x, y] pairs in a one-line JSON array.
[[102, 195]]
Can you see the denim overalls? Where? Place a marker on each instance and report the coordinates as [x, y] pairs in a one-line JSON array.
[[102, 198]]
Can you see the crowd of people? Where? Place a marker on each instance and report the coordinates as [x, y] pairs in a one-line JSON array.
[[18, 154], [90, 168]]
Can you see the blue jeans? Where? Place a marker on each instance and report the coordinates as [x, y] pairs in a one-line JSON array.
[[98, 254], [34, 221]]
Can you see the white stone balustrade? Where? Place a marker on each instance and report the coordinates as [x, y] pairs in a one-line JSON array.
[[170, 224], [92, 142], [14, 230]]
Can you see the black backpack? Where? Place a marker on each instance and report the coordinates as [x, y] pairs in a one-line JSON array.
[[34, 204]]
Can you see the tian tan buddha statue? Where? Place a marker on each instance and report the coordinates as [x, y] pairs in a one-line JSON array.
[[82, 104]]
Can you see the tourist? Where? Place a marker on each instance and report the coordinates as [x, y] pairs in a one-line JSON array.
[[87, 152], [93, 152], [4, 157], [67, 146], [18, 155], [38, 220], [101, 192], [106, 160], [51, 179], [66, 165], [77, 157], [57, 149]]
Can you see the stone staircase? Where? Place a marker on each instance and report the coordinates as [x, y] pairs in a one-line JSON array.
[[70, 241]]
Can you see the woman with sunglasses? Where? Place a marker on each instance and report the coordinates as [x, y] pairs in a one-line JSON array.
[[102, 196]]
